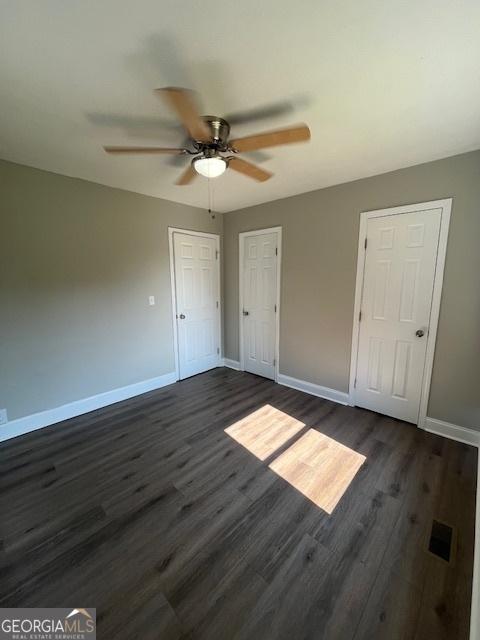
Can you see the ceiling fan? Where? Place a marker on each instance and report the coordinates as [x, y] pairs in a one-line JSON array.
[[209, 141]]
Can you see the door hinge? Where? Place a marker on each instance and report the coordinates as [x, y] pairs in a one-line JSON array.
[[217, 304], [276, 251], [360, 316], [274, 362], [275, 307], [218, 349], [365, 245], [355, 384], [216, 254]]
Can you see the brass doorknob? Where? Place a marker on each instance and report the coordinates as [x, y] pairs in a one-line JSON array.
[[420, 333]]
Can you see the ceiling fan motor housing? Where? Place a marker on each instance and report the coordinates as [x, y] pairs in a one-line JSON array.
[[219, 129]]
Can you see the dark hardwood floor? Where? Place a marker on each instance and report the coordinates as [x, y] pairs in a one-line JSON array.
[[151, 512]]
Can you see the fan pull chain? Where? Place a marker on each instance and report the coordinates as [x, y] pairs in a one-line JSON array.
[[210, 198]]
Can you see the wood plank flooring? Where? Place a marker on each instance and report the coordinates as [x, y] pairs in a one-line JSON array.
[[226, 506]]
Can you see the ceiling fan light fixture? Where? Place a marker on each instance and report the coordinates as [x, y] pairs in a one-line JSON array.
[[210, 167]]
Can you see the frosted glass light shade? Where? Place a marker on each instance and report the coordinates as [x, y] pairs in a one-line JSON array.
[[210, 167]]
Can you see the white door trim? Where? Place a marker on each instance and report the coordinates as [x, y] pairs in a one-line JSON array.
[[203, 234], [446, 206], [259, 232]]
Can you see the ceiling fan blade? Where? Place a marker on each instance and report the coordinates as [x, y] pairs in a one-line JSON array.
[[249, 169], [179, 161], [152, 150], [187, 176], [268, 111], [260, 113], [299, 133], [183, 103]]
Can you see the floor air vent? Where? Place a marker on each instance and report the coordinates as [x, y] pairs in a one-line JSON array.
[[441, 541]]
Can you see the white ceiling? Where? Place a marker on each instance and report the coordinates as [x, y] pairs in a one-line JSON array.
[[383, 84]]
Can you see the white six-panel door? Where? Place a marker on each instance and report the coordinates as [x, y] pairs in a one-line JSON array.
[[259, 284], [196, 274], [398, 284]]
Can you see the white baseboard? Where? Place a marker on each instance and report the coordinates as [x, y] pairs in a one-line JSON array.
[[313, 389], [452, 431], [78, 407], [231, 364], [301, 385]]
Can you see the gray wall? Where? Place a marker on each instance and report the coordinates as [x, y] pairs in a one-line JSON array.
[[77, 264], [79, 260], [320, 238]]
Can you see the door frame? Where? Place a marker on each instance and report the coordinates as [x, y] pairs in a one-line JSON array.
[[171, 253], [446, 206], [241, 236]]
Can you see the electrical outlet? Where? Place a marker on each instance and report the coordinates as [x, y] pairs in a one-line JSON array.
[[3, 416], [151, 300]]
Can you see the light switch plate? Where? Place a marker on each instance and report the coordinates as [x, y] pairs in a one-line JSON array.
[[3, 416], [151, 300]]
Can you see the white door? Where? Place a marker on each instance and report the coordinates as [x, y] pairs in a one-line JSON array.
[[259, 300], [399, 274], [197, 291]]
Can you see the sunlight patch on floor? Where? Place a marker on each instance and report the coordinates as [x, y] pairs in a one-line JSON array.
[[318, 466], [264, 431]]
